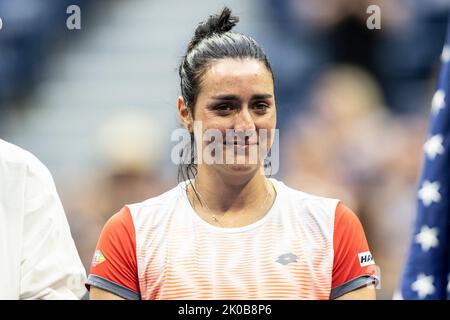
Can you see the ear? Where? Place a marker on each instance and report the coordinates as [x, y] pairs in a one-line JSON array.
[[184, 114]]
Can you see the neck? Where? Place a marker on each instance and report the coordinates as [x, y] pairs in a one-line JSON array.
[[224, 193]]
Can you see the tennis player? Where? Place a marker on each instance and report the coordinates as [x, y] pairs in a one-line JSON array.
[[38, 257], [227, 231]]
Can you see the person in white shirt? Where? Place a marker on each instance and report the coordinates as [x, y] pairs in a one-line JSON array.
[[38, 257]]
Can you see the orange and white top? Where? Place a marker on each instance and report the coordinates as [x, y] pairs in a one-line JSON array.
[[305, 247]]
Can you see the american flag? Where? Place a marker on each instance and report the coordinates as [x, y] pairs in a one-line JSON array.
[[427, 271]]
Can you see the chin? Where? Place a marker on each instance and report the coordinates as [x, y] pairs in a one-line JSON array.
[[238, 173], [240, 169]]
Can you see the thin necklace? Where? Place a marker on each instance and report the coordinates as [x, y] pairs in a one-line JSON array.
[[213, 215]]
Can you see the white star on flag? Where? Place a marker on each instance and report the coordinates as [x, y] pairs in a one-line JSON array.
[[433, 146], [438, 101], [427, 238], [423, 285], [429, 192], [445, 56]]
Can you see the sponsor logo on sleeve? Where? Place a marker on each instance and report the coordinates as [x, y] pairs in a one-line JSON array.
[[365, 259], [98, 258]]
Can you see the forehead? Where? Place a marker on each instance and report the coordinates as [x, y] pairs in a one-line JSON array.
[[231, 75]]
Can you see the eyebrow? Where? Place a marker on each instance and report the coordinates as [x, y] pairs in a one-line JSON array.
[[235, 97]]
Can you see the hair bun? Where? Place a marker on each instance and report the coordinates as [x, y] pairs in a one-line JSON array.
[[215, 24]]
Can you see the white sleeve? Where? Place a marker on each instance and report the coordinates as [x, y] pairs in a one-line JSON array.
[[50, 264]]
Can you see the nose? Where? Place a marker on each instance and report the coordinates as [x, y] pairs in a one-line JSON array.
[[244, 121]]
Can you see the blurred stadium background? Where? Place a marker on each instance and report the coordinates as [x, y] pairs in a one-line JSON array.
[[98, 105]]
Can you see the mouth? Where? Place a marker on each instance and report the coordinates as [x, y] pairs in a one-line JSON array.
[[240, 145]]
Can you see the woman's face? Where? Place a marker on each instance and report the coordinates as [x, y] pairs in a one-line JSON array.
[[236, 102]]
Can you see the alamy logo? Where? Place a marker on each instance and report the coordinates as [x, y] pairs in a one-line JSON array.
[[215, 147], [73, 21], [365, 259]]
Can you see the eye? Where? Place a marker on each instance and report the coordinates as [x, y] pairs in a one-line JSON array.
[[224, 109], [261, 107]]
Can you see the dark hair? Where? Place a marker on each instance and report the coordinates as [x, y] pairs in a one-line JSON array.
[[212, 40]]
